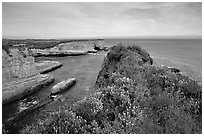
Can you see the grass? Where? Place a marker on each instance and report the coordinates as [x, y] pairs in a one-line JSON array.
[[131, 96]]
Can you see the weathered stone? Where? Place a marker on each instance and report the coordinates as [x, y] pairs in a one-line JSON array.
[[18, 63], [92, 51], [57, 53], [63, 85], [100, 46], [20, 74], [175, 70], [16, 90], [70, 49], [18, 116], [47, 66]]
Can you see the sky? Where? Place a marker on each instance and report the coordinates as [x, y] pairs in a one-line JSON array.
[[73, 20]]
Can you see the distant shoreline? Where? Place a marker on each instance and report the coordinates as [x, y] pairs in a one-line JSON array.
[[105, 37]]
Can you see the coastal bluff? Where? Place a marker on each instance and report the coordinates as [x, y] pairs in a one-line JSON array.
[[71, 48], [20, 74], [131, 96]]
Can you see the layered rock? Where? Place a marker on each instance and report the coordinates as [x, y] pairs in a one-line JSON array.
[[20, 74], [131, 96], [18, 89], [71, 49], [18, 63], [57, 53], [47, 66]]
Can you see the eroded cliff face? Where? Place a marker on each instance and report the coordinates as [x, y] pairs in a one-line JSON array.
[[20, 76], [17, 63], [131, 96], [73, 48], [84, 45]]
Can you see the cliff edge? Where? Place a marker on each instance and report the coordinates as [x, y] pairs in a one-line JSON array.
[[131, 97], [20, 74]]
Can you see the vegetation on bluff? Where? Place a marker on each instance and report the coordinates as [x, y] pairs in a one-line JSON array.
[[131, 96], [40, 43]]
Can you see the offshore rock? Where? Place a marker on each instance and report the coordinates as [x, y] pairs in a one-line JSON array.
[[175, 70], [63, 86]]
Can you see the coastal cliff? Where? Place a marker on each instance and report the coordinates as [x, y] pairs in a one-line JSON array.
[[71, 48], [17, 63], [20, 74], [131, 96]]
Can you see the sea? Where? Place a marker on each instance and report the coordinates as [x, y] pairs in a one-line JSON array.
[[184, 54]]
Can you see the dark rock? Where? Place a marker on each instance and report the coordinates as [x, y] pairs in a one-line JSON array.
[[175, 70], [92, 51]]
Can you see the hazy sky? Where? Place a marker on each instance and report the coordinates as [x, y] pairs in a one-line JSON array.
[[55, 20]]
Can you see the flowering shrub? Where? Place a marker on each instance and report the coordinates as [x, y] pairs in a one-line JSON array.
[[131, 96]]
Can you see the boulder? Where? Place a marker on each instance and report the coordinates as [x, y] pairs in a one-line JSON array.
[[175, 70], [63, 86], [107, 48], [97, 47]]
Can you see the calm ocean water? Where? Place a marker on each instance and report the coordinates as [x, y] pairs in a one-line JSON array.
[[185, 54]]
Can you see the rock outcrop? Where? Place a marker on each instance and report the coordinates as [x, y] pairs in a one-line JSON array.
[[47, 66], [71, 49], [120, 56], [17, 63], [20, 74], [18, 89], [57, 53], [175, 70], [63, 85], [131, 96], [100, 45]]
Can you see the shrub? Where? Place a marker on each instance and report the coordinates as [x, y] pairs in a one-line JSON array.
[[132, 96]]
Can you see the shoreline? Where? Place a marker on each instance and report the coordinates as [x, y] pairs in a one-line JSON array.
[[164, 60], [137, 89], [186, 69]]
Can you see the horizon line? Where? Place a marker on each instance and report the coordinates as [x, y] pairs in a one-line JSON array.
[[111, 37]]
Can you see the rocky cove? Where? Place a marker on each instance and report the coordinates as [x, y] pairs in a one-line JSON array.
[[84, 68], [128, 89]]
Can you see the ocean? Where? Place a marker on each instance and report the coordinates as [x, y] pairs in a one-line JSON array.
[[184, 54]]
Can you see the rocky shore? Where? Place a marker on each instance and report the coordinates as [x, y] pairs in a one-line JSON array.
[[131, 96], [47, 66], [20, 74], [56, 53], [18, 89], [73, 48]]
